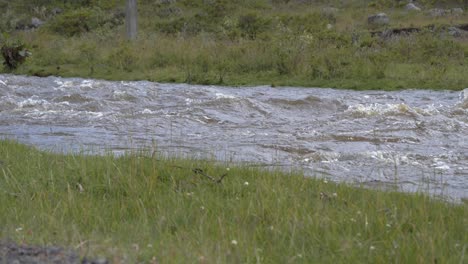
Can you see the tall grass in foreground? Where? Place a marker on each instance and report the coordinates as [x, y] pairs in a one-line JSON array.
[[142, 208]]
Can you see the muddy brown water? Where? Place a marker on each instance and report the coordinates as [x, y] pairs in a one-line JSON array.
[[411, 140]]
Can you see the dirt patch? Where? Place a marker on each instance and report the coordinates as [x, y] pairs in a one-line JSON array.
[[11, 252]]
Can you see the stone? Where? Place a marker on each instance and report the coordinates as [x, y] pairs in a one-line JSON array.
[[330, 10], [378, 20], [167, 2], [36, 22], [20, 24], [455, 32], [56, 11], [437, 12], [169, 12], [457, 11], [412, 7]]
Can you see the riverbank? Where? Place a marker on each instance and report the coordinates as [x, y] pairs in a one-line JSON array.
[[278, 43], [140, 207]]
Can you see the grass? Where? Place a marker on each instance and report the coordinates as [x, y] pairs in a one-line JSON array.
[[138, 208], [253, 42]]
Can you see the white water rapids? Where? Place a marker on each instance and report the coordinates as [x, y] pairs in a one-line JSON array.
[[411, 140]]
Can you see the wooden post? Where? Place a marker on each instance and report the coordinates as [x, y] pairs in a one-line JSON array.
[[131, 19]]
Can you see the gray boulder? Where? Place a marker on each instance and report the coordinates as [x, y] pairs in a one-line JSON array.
[[378, 20], [330, 10], [36, 22], [437, 12], [412, 7], [56, 11], [167, 2], [457, 11], [28, 24], [455, 32]]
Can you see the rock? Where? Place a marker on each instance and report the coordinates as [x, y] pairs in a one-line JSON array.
[[56, 11], [11, 252], [437, 12], [169, 12], [329, 13], [412, 7], [26, 24], [20, 24], [94, 261], [457, 11], [36, 22], [455, 32], [330, 10], [378, 20]]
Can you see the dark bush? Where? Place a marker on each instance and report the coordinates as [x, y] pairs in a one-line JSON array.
[[82, 20], [14, 55], [251, 25], [76, 22]]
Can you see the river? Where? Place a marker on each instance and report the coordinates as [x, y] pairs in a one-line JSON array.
[[410, 140]]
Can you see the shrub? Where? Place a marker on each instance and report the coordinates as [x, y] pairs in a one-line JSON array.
[[78, 21], [312, 22], [218, 9], [123, 58], [251, 25], [14, 55]]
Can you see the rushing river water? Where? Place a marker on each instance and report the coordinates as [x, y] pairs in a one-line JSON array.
[[411, 140]]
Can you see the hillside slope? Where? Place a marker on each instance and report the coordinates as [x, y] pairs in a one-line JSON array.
[[247, 42]]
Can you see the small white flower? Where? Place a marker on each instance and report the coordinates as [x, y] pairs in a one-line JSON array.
[[234, 242], [335, 195], [388, 225], [202, 207], [150, 245], [372, 248], [325, 181], [246, 183], [272, 228], [19, 229], [299, 255], [228, 169]]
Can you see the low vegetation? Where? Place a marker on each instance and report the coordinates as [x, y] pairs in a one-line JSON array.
[[142, 207], [244, 42]]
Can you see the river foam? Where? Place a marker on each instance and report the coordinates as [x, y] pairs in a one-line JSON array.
[[402, 138]]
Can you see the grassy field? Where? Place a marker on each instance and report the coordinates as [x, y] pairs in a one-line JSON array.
[[243, 42], [139, 208]]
